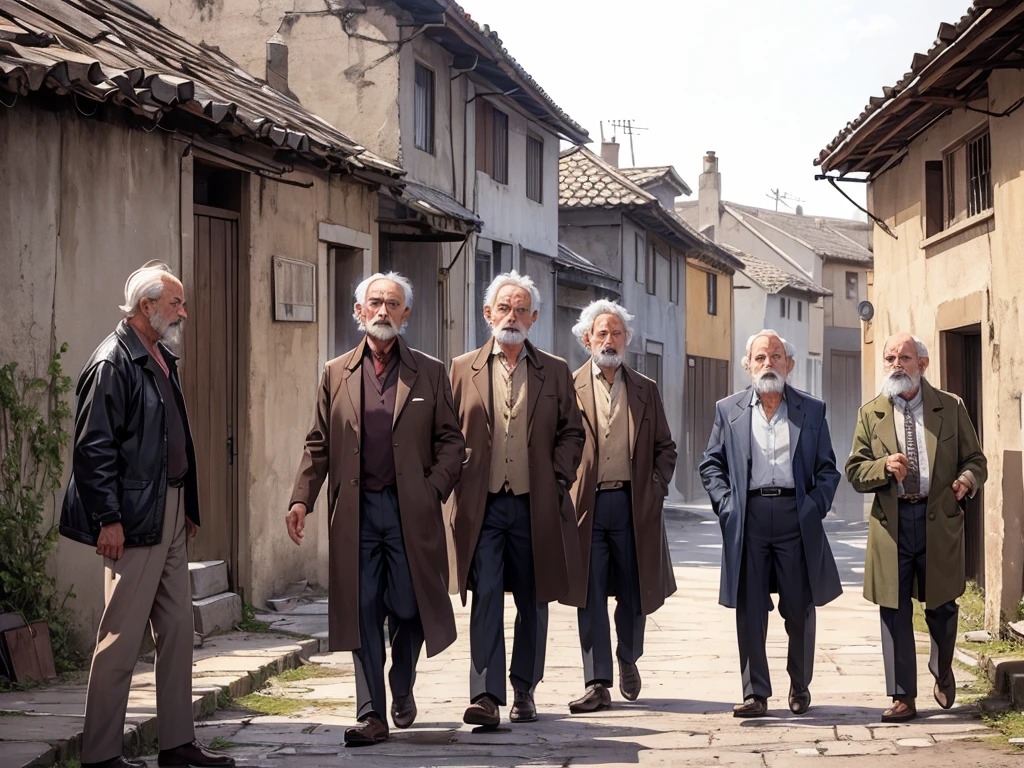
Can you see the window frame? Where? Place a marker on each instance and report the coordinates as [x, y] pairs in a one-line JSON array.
[[966, 186], [712, 291], [651, 275], [855, 285], [538, 160], [429, 109]]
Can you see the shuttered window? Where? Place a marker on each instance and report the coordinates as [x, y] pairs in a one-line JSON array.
[[534, 168], [424, 109], [492, 141]]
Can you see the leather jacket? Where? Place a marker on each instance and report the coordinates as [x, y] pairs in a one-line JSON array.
[[119, 459]]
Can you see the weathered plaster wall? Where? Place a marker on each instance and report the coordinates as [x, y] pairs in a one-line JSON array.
[[82, 204], [708, 335]]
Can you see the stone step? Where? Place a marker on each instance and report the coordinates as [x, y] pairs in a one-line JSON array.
[[208, 578], [1017, 690], [218, 613]]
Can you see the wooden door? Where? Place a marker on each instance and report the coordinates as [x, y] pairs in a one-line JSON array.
[[211, 382], [843, 400], [707, 382]]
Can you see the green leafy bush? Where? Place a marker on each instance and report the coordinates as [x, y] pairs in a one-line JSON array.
[[33, 414]]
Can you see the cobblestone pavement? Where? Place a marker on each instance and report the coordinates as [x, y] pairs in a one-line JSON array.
[[683, 717]]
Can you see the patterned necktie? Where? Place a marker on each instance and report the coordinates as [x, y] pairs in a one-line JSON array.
[[912, 482]]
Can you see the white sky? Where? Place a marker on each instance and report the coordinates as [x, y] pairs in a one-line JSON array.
[[764, 83]]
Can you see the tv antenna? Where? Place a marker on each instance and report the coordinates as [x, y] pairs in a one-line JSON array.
[[782, 197], [627, 127]]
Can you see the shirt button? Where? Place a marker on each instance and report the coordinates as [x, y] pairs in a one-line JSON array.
[[931, 516], [396, 445], [353, 482], [355, 450]]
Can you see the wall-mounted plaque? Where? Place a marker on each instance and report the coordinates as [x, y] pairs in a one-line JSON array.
[[294, 290]]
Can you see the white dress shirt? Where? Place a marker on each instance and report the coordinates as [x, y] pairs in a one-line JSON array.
[[914, 408], [770, 465]]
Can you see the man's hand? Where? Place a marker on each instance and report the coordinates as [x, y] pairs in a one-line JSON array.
[[897, 464], [111, 541], [191, 528], [296, 521], [961, 488]]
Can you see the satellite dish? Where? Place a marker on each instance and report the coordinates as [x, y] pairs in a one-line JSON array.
[[866, 310]]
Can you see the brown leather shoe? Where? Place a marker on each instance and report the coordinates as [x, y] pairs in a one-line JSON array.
[[945, 691], [901, 711], [799, 700], [116, 762], [193, 755], [373, 730], [482, 712], [403, 710], [629, 680], [523, 709], [594, 699], [752, 706]]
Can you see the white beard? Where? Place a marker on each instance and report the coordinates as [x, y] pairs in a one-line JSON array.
[[169, 331], [769, 382], [607, 359], [899, 383], [509, 336], [384, 332]]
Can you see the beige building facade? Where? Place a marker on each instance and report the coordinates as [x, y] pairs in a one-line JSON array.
[[945, 165]]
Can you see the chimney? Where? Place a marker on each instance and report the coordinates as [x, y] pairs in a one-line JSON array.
[[610, 152], [709, 197], [277, 64]]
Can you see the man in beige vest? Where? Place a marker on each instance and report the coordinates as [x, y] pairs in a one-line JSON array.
[[512, 519], [628, 460]]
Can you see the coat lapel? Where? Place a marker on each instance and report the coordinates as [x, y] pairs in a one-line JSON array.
[[584, 381], [796, 424], [932, 420], [534, 385], [637, 395], [354, 385], [407, 372], [740, 423], [482, 380], [885, 427]]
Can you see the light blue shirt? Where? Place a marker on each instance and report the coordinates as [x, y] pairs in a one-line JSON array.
[[770, 462]]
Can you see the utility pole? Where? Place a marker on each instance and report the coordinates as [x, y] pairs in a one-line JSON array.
[[627, 127], [782, 197]]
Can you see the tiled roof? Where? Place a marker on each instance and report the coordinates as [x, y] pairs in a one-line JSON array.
[[586, 181], [569, 258], [954, 71], [114, 52], [644, 176], [772, 278]]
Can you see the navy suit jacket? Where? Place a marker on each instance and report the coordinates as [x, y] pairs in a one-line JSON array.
[[725, 472]]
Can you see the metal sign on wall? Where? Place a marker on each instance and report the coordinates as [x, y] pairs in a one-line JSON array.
[[294, 290]]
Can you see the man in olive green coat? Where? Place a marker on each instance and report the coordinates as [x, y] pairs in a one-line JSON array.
[[915, 449]]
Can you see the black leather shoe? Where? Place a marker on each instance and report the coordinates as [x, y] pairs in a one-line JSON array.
[[753, 706], [595, 699], [523, 709], [403, 710], [799, 700], [482, 712], [945, 691], [373, 730], [116, 762], [193, 755], [629, 680]]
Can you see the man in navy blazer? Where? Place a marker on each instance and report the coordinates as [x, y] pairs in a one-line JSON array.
[[771, 475]]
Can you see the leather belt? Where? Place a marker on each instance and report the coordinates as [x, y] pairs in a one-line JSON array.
[[771, 491], [915, 498], [612, 485]]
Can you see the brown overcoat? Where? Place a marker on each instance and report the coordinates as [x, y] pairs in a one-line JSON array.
[[953, 448], [429, 450], [652, 460], [554, 443]]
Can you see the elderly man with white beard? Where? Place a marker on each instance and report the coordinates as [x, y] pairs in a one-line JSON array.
[[628, 460], [385, 434], [915, 448], [771, 475], [133, 495], [512, 519]]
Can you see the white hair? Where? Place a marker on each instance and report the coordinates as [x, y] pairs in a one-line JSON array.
[[790, 349], [400, 280], [603, 307], [512, 278], [146, 282], [922, 350]]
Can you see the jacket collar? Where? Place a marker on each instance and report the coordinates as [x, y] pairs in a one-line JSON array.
[[483, 354], [137, 350], [405, 356]]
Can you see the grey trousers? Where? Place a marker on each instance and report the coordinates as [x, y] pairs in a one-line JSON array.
[[148, 585], [899, 651], [385, 589], [504, 557], [612, 554], [772, 541]]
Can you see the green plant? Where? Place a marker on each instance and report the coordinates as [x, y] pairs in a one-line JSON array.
[[309, 672], [33, 412], [249, 623], [218, 743]]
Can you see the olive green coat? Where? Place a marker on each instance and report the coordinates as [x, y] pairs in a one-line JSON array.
[[953, 448]]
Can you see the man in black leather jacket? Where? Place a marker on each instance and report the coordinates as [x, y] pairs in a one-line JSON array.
[[133, 495]]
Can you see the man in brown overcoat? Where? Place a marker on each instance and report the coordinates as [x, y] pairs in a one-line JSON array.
[[628, 460], [514, 526], [385, 432], [915, 448]]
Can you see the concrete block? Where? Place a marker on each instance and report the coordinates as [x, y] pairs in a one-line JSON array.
[[1000, 668], [1017, 690], [217, 613], [208, 578]]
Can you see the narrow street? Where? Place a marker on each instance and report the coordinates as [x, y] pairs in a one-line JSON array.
[[683, 716]]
